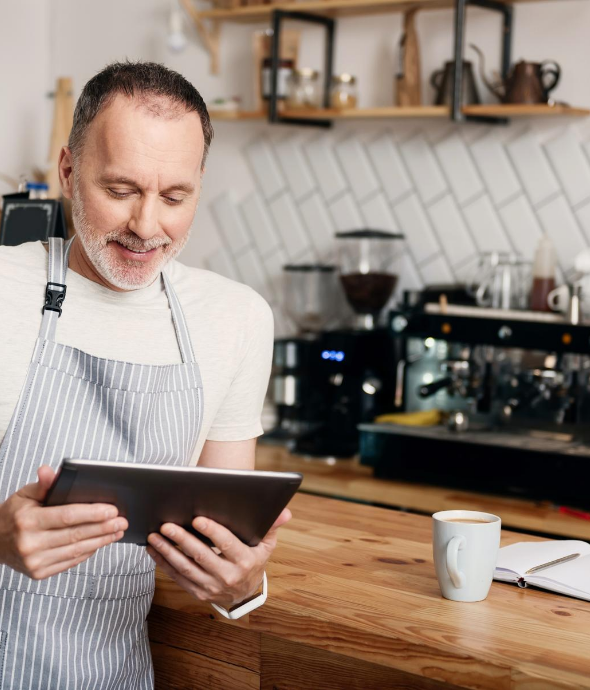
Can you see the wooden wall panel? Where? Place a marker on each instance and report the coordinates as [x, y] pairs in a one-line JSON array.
[[179, 669], [292, 666], [226, 643]]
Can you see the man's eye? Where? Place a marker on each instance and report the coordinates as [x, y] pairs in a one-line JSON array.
[[119, 195], [172, 200]]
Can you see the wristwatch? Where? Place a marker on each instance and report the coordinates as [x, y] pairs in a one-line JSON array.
[[242, 609]]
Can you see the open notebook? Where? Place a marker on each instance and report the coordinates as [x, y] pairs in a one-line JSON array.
[[571, 578]]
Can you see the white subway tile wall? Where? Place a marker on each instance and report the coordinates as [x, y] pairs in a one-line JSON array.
[[559, 222], [424, 170], [452, 195], [289, 226], [295, 167], [451, 230], [389, 167], [484, 223], [377, 214], [455, 159], [571, 167], [357, 168], [346, 214], [319, 225], [261, 226], [265, 168], [320, 154], [495, 168], [532, 165]]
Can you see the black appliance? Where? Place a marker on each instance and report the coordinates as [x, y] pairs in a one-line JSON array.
[[30, 220], [513, 389], [325, 385]]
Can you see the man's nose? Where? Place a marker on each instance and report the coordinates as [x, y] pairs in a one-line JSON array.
[[144, 217]]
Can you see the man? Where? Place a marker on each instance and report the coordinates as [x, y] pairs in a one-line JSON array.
[[142, 365]]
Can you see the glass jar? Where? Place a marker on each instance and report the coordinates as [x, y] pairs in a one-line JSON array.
[[344, 92], [284, 72], [310, 296], [303, 89]]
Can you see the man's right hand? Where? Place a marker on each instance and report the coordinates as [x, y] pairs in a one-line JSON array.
[[41, 541]]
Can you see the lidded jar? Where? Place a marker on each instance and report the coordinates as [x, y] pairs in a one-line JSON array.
[[303, 89], [344, 92]]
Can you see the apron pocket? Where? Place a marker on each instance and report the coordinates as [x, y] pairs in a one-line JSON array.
[[71, 585]]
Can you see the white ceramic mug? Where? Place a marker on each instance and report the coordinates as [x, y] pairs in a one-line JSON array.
[[465, 553], [559, 299]]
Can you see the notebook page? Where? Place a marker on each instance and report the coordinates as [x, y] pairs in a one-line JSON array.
[[573, 575], [520, 557]]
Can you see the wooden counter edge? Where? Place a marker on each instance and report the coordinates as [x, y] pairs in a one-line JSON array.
[[350, 480]]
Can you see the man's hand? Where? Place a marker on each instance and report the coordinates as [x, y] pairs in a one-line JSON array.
[[226, 578], [41, 541]]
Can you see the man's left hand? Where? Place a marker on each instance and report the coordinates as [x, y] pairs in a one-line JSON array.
[[226, 578]]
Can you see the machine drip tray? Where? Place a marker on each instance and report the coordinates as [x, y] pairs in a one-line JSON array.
[[538, 464]]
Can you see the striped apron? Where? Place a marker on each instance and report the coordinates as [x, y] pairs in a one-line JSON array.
[[86, 628]]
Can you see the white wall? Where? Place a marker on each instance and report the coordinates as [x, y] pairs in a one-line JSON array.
[[24, 82], [43, 39]]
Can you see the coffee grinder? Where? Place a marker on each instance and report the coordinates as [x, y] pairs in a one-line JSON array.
[[329, 380], [310, 297]]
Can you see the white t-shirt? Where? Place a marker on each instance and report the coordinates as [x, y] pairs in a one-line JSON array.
[[231, 328]]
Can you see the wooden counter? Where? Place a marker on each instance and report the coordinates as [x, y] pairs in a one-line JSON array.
[[354, 605], [351, 480]]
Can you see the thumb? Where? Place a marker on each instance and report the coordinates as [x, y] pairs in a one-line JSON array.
[[270, 540], [38, 490]]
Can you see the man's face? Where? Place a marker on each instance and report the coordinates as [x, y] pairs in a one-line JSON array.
[[135, 190]]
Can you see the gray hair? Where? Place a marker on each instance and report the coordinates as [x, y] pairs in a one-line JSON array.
[[147, 81]]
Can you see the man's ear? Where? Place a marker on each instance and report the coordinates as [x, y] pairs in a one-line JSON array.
[[65, 168]]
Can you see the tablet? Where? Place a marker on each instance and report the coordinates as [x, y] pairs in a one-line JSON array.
[[247, 502]]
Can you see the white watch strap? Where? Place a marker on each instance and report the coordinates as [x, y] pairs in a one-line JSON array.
[[242, 610]]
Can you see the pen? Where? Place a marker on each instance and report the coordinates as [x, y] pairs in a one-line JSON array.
[[565, 559], [574, 513]]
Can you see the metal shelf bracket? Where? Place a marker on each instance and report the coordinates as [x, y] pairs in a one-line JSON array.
[[208, 33], [460, 11], [278, 16]]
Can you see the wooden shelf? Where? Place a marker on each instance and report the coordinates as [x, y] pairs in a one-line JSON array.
[[237, 115], [328, 8], [425, 111], [526, 110]]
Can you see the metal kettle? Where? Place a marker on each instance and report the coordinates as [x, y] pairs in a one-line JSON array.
[[527, 83], [442, 82]]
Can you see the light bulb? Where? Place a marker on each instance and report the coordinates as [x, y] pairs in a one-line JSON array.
[[176, 39]]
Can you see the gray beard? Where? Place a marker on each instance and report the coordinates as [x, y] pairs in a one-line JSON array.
[[125, 275]]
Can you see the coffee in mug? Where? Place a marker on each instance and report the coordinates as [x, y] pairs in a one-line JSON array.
[[465, 548]]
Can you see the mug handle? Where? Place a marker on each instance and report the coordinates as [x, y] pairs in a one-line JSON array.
[[554, 298], [436, 79], [547, 71], [483, 297], [453, 547]]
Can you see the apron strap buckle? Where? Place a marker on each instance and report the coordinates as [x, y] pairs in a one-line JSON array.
[[55, 293]]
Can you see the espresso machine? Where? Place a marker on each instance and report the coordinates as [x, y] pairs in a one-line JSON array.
[[513, 392], [338, 371]]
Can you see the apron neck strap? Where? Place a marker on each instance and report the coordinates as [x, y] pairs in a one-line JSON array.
[[180, 326], [57, 266], [55, 292]]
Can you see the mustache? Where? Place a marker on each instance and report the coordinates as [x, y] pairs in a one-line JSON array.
[[134, 243]]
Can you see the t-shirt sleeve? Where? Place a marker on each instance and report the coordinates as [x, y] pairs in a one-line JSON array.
[[238, 417]]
